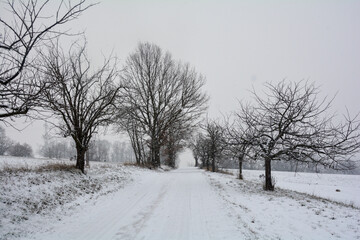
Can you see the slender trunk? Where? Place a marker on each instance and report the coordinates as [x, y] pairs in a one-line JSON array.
[[268, 181], [213, 164], [240, 167], [137, 151], [137, 156], [142, 153], [207, 164], [196, 162], [172, 158], [135, 145]]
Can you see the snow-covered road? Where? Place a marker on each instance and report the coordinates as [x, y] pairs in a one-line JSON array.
[[179, 204], [122, 202]]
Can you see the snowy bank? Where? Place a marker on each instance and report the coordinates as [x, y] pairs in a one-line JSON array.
[[34, 190]]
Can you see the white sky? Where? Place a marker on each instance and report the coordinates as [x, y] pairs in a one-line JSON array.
[[235, 44]]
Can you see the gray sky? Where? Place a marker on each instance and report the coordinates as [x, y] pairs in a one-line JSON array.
[[237, 45]]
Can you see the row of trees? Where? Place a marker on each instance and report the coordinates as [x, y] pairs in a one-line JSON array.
[[104, 151], [26, 28], [9, 147], [156, 99], [288, 123], [60, 148], [99, 150]]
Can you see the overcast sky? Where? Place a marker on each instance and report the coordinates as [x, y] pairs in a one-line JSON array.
[[236, 45]]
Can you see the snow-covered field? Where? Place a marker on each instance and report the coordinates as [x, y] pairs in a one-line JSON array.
[[285, 214], [40, 201], [336, 187]]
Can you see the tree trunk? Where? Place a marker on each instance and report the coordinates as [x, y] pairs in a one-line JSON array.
[[171, 152], [213, 164], [80, 159], [137, 152], [268, 181], [136, 145], [172, 159], [196, 162], [240, 167], [155, 153], [157, 157], [207, 164]]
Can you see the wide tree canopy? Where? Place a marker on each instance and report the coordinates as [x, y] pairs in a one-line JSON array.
[[292, 122], [161, 93]]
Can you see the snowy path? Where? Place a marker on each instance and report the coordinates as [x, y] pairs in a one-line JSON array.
[[179, 204]]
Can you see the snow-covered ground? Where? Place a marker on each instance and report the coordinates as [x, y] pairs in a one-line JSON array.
[[172, 205], [117, 202], [336, 187], [34, 192], [284, 214]]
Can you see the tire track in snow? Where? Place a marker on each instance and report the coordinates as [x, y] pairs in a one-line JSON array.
[[129, 231], [179, 204], [248, 231]]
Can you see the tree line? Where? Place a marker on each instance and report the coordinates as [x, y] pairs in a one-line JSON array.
[[100, 150], [156, 99], [12, 148], [290, 124]]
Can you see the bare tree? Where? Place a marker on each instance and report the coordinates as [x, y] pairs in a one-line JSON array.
[[203, 150], [292, 122], [160, 93], [20, 95], [25, 27], [136, 134], [239, 140], [174, 142], [83, 101], [215, 141], [196, 146]]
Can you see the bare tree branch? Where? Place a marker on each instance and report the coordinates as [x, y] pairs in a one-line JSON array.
[[83, 101], [28, 28], [161, 93], [292, 123]]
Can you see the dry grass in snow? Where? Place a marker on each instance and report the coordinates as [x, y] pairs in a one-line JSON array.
[[32, 190]]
